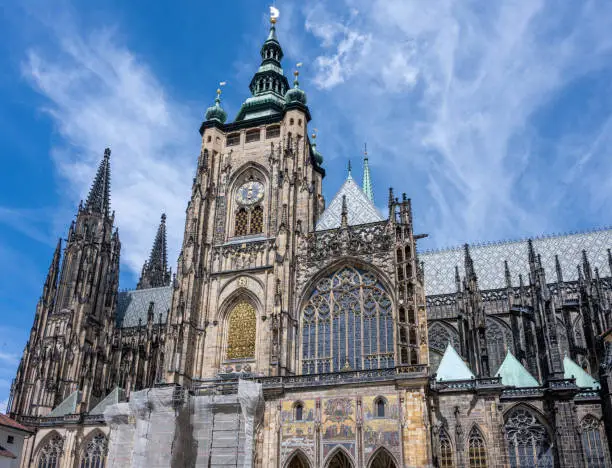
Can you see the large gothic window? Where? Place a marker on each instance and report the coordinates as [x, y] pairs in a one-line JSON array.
[[477, 450], [592, 445], [51, 453], [347, 324], [528, 441], [256, 225], [498, 341], [242, 223], [94, 454], [242, 325], [446, 450]]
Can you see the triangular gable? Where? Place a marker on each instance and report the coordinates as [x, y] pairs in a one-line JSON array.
[[573, 370], [68, 406], [360, 208], [114, 397], [452, 367], [514, 374]]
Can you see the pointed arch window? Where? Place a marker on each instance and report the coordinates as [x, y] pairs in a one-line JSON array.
[[380, 407], [347, 324], [340, 460], [592, 445], [242, 323], [383, 459], [528, 440], [446, 450], [51, 453], [94, 454], [477, 450]]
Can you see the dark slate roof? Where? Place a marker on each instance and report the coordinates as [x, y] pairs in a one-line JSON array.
[[489, 260], [134, 305]]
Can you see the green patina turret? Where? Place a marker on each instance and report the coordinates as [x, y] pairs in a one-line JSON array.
[[295, 94], [318, 157], [216, 112], [269, 84]]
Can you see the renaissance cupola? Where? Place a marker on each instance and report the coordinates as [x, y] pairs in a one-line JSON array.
[[269, 84], [216, 112], [295, 95]]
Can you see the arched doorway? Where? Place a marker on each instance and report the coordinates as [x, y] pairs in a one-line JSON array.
[[383, 459], [298, 460], [339, 460]]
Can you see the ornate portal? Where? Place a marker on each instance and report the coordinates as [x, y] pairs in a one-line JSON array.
[[241, 333]]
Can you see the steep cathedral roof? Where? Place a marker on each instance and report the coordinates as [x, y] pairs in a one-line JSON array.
[[514, 374], [488, 260], [574, 371], [452, 367], [134, 307], [360, 208]]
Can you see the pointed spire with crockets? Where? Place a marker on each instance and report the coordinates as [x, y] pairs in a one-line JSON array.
[[53, 274], [155, 271], [367, 182], [98, 200]]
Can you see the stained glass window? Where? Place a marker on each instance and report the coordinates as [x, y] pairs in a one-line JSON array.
[[51, 453], [592, 445], [347, 324], [256, 220], [446, 451], [477, 450], [242, 325], [528, 440], [242, 222], [94, 455]]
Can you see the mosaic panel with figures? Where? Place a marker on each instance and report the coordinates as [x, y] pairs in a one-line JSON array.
[[298, 434], [381, 431], [338, 427]]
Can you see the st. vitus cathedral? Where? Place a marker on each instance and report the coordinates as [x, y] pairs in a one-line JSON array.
[[299, 334]]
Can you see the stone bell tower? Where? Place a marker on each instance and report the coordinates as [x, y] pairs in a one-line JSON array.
[[257, 187]]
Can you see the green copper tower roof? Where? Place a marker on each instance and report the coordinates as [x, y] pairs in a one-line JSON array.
[[216, 112], [269, 84], [295, 94], [514, 374], [452, 367], [367, 182], [583, 379]]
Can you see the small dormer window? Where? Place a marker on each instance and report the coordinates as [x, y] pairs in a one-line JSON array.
[[233, 139]]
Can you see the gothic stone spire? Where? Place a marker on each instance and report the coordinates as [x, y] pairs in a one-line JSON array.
[[367, 181], [98, 200], [155, 271]]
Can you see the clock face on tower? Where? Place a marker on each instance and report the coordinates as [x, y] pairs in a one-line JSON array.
[[250, 193]]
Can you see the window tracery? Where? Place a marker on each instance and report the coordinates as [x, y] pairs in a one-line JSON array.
[[446, 450], [528, 440], [242, 323], [347, 324], [477, 449], [592, 445], [51, 453], [94, 455]]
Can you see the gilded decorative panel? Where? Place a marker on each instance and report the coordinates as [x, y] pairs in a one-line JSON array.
[[241, 333]]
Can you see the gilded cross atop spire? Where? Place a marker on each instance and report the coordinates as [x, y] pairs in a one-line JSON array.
[[367, 181], [98, 200]]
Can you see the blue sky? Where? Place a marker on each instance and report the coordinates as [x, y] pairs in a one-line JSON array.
[[494, 117]]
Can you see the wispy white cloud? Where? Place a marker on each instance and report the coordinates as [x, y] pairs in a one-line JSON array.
[[101, 94], [446, 93], [3, 406]]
